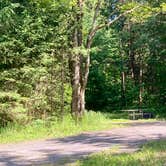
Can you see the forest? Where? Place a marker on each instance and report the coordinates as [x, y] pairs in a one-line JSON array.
[[83, 82], [61, 57]]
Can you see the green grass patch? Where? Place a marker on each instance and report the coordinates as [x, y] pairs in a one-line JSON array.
[[151, 154], [40, 129]]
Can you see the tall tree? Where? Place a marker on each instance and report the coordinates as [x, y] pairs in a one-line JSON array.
[[82, 35]]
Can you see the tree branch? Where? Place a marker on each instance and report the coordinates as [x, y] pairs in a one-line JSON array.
[[117, 18], [96, 12], [95, 29]]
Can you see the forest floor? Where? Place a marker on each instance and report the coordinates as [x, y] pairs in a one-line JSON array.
[[67, 150]]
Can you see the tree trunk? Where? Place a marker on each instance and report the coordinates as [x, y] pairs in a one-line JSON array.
[[140, 84], [82, 101], [76, 87], [123, 86], [80, 72], [131, 52], [62, 87], [79, 66], [84, 78]]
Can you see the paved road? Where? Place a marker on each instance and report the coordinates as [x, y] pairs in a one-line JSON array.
[[66, 150]]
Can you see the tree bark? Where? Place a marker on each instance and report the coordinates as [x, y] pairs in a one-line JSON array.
[[78, 63], [123, 88], [140, 84], [123, 85], [75, 82], [131, 52], [62, 87], [80, 72]]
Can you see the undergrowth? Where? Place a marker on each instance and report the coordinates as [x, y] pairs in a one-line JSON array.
[[41, 129]]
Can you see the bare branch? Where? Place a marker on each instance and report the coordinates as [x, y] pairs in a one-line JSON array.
[[95, 29], [96, 12], [117, 18]]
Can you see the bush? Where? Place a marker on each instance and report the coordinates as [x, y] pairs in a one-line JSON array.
[[10, 114], [6, 116], [9, 97]]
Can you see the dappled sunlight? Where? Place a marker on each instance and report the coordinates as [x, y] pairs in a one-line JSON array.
[[70, 149], [153, 153]]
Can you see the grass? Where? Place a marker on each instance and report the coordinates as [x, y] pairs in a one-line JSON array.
[[151, 154], [40, 129]]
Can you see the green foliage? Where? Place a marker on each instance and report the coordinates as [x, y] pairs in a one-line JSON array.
[[30, 62], [9, 97], [34, 50], [11, 108], [104, 73], [139, 34], [12, 114]]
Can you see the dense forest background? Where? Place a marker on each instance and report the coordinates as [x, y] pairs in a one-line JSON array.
[[127, 58]]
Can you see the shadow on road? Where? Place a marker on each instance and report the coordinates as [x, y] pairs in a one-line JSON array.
[[67, 150]]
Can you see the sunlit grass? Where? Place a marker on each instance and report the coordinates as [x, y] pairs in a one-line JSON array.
[[40, 129], [151, 154]]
